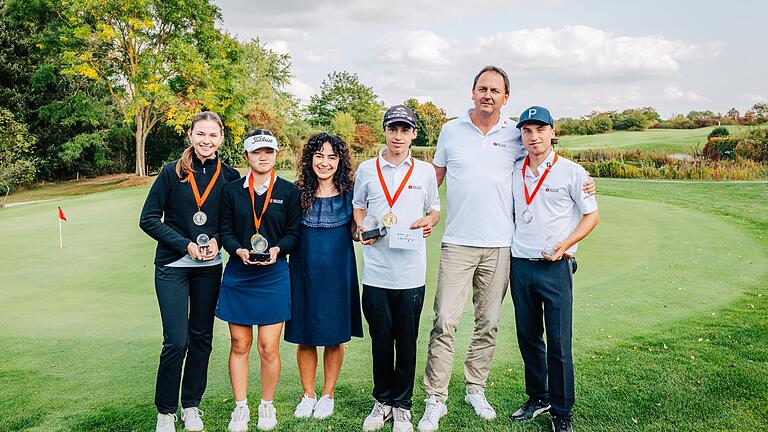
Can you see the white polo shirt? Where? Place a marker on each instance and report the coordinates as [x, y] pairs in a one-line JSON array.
[[479, 181], [385, 267], [556, 209]]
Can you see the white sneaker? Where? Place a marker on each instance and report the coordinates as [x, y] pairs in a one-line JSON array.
[[166, 423], [192, 420], [267, 417], [239, 419], [323, 408], [433, 412], [480, 404], [402, 421], [305, 407], [378, 416]]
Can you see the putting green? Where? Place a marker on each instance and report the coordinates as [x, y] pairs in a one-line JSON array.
[[80, 328]]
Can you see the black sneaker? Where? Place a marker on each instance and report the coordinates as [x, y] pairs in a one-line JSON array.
[[530, 409], [561, 424]]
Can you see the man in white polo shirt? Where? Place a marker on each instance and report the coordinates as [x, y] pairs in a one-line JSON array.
[[475, 154], [552, 214], [399, 192]]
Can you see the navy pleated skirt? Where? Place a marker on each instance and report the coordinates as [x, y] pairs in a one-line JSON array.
[[255, 295]]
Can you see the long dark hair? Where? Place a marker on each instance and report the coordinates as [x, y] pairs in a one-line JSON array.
[[307, 183], [184, 164]]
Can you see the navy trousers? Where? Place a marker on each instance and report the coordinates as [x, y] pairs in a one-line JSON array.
[[187, 298], [393, 323], [543, 298]]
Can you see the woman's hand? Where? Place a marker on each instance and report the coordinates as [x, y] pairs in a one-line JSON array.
[[244, 255], [273, 252], [211, 250], [194, 251]]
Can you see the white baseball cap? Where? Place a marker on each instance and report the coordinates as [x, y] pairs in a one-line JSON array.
[[262, 139]]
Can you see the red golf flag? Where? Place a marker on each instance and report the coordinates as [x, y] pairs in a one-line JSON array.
[[61, 215]]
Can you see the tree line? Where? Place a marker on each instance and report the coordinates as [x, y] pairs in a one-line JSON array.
[[93, 87], [97, 87]]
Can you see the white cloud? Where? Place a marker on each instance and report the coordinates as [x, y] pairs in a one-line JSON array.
[[300, 89], [590, 52], [756, 98], [675, 94], [326, 56], [278, 46], [409, 46]]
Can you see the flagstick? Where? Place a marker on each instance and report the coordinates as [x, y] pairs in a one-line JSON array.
[[61, 240]]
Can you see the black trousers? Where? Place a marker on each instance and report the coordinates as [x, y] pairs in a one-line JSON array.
[[187, 298], [543, 298], [393, 323]]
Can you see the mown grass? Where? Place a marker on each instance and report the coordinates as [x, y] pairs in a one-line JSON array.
[[670, 322], [665, 140]]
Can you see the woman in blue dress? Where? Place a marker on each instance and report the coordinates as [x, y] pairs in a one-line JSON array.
[[325, 298]]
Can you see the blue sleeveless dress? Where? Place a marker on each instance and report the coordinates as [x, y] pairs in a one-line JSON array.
[[325, 296]]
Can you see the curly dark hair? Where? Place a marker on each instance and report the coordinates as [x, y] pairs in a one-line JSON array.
[[307, 183]]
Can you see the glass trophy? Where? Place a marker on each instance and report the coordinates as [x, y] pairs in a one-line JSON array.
[[202, 241], [372, 228], [259, 246]]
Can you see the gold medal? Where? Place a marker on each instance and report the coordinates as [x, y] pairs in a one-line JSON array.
[[389, 220]]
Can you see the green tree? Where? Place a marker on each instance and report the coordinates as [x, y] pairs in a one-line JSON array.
[[761, 111], [343, 92], [430, 119], [157, 58], [343, 124], [57, 108], [16, 164]]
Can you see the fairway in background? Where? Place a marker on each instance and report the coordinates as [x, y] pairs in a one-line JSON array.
[[664, 140]]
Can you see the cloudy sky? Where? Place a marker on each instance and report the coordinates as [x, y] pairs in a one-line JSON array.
[[572, 56]]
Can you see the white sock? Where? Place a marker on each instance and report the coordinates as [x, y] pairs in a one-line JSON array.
[[241, 404], [263, 402]]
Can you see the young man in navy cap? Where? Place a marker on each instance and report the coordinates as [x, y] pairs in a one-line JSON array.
[[552, 214], [399, 192]]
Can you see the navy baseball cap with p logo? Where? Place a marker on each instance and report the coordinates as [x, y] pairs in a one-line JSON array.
[[536, 114]]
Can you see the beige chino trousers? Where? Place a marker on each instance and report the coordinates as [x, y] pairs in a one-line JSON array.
[[486, 270]]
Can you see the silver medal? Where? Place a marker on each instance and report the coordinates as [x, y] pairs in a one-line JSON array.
[[199, 218], [527, 216]]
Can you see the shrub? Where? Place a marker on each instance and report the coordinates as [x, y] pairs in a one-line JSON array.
[[720, 148], [752, 149], [718, 132], [424, 153]]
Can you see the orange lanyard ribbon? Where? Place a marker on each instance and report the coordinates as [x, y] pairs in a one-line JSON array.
[[529, 199], [391, 200], [257, 220], [198, 199]]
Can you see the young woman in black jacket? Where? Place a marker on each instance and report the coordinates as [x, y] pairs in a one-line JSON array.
[[181, 212]]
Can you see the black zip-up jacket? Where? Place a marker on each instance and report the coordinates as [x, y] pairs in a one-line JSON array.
[[280, 225], [170, 204]]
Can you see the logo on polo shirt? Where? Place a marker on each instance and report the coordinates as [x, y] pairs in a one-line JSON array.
[[276, 201], [553, 189], [414, 187], [497, 144]]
